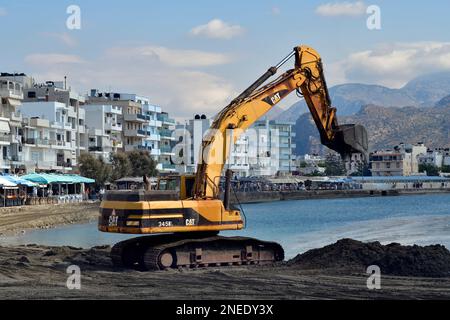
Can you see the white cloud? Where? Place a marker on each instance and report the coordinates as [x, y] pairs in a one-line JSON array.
[[276, 11], [64, 37], [48, 59], [174, 57], [393, 65], [217, 29], [342, 9], [3, 12], [160, 73]]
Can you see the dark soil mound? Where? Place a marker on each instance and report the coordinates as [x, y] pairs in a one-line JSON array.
[[393, 259]]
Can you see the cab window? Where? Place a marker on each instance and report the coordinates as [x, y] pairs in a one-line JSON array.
[[169, 184]]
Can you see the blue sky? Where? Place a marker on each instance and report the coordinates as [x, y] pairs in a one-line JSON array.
[[194, 56]]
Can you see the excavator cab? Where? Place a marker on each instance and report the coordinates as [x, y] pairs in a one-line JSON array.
[[182, 184]]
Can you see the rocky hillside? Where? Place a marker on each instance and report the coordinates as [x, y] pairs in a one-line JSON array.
[[444, 102], [424, 91], [386, 127]]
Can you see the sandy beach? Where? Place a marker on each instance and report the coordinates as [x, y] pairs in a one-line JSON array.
[[15, 220], [40, 272]]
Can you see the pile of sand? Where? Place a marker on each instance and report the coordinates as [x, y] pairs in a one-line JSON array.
[[393, 259]]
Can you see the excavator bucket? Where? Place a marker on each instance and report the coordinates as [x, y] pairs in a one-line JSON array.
[[348, 139]]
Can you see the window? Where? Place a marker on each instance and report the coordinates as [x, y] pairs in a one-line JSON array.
[[31, 94]]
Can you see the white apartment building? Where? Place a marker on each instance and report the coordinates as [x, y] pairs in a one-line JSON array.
[[432, 157], [143, 126], [309, 164], [167, 142], [11, 95], [53, 144], [402, 161], [104, 129], [264, 149], [189, 138], [275, 148], [45, 123]]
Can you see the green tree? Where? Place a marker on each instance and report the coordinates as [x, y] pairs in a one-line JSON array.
[[142, 164], [430, 169], [445, 169], [316, 173], [334, 166], [94, 168], [362, 170], [121, 165]]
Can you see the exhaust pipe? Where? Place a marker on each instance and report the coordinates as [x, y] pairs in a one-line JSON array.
[[227, 193]]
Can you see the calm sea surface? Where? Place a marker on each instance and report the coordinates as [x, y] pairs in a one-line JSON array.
[[304, 224]]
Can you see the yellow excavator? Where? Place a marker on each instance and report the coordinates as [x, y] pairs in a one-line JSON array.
[[183, 216]]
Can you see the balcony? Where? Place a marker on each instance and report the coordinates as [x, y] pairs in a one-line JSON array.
[[166, 150], [11, 89], [155, 152], [37, 141], [36, 122], [56, 124], [152, 136], [95, 149], [155, 123], [145, 148], [63, 164], [165, 119], [113, 126], [113, 109], [16, 116], [164, 133], [168, 167], [5, 138], [58, 144], [134, 133], [134, 117]]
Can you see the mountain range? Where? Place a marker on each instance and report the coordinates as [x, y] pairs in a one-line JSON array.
[[419, 111], [386, 127], [424, 91]]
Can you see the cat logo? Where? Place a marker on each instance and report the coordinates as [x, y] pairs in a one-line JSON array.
[[113, 218], [275, 98]]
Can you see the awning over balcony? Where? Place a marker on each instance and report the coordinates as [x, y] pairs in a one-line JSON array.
[[4, 127], [14, 102]]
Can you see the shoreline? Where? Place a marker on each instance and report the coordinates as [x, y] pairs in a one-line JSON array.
[[20, 219], [17, 220], [273, 196]]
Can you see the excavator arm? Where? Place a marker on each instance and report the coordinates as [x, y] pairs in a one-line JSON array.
[[306, 78]]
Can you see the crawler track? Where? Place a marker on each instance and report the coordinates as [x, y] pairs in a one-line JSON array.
[[202, 250]]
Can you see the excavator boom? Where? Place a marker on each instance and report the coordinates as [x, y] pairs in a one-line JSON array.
[[307, 78]]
